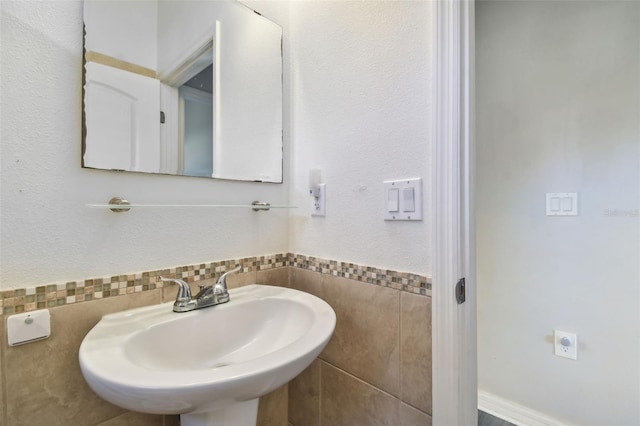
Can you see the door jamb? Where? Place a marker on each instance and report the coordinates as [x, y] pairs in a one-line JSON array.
[[454, 325]]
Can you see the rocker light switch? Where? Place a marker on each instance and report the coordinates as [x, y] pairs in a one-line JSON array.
[[392, 200], [408, 200]]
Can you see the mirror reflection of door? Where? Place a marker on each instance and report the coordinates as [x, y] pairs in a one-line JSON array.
[[138, 112], [123, 121], [196, 124]]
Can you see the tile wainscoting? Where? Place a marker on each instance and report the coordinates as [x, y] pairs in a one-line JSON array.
[[375, 370]]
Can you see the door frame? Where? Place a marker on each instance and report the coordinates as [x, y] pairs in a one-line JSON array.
[[455, 399]]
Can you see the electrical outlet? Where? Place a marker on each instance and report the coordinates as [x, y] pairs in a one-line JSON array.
[[319, 202], [566, 344]]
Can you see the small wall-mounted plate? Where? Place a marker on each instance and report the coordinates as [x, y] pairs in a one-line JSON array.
[[562, 204], [28, 327], [566, 344]]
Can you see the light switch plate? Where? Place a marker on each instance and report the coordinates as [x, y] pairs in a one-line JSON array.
[[408, 209], [562, 203]]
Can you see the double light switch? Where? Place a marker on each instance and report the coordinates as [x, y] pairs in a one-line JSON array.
[[562, 203], [403, 199]]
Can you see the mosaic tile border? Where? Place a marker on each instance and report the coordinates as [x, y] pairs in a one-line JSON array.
[[20, 300], [59, 294], [404, 281]]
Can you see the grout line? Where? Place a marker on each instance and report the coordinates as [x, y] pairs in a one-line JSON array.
[[362, 381], [400, 400]]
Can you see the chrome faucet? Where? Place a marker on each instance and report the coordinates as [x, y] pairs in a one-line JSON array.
[[210, 295]]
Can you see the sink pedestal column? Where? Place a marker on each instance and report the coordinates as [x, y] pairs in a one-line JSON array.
[[243, 413]]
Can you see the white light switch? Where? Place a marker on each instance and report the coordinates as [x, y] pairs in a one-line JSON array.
[[393, 200], [562, 204], [408, 200], [403, 199]]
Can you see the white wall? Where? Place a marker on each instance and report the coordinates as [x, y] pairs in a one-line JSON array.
[[558, 89], [360, 111], [47, 234], [125, 30], [361, 88]]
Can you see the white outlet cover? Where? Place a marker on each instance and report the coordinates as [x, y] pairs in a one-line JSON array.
[[318, 206], [563, 349]]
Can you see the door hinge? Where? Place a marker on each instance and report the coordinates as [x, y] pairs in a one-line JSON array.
[[460, 291], [162, 117]]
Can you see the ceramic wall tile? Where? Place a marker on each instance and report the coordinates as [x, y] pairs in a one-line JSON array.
[[410, 416], [132, 418], [239, 279], [415, 347], [381, 348], [366, 339], [304, 397], [44, 382], [172, 420], [348, 401], [307, 281], [272, 410], [276, 276], [135, 419]]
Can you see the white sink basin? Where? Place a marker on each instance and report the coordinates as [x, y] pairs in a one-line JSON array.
[[209, 365]]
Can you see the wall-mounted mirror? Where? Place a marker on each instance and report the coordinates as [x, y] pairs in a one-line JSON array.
[[189, 88]]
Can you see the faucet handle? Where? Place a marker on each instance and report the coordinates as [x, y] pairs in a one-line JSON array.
[[222, 281], [184, 292]]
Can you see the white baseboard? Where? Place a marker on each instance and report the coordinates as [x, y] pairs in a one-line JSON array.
[[512, 412]]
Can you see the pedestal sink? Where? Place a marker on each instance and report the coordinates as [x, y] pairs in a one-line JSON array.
[[209, 365]]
